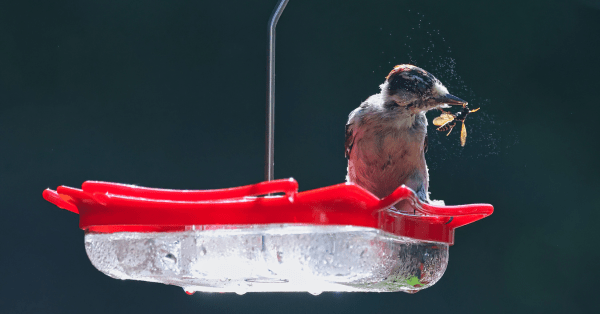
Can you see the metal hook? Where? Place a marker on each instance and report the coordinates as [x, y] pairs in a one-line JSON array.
[[270, 132]]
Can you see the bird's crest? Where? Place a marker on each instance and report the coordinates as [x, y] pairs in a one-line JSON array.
[[411, 78], [405, 68]]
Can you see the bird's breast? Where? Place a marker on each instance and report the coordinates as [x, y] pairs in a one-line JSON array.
[[388, 145], [384, 158]]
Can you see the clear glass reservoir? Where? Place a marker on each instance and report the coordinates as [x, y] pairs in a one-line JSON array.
[[276, 257]]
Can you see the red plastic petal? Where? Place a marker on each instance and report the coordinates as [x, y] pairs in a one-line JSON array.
[[110, 207]]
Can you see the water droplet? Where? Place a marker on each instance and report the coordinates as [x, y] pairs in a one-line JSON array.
[[315, 292], [241, 292], [170, 258]]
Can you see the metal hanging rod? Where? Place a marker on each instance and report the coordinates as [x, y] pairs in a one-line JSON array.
[[270, 132]]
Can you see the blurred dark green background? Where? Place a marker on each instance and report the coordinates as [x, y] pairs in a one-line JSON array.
[[172, 94]]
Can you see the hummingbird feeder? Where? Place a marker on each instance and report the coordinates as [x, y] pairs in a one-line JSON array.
[[266, 236]]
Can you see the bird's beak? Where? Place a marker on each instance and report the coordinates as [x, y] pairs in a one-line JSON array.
[[450, 99]]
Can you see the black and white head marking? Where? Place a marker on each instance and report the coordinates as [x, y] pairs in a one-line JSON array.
[[408, 85]]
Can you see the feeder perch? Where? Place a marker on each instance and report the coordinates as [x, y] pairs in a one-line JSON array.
[[266, 236]]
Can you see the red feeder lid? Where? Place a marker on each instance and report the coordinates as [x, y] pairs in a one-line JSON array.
[[112, 207]]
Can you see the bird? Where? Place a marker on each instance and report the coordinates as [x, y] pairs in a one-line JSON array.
[[386, 136]]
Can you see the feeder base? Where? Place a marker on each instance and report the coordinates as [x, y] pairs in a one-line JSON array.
[[276, 257]]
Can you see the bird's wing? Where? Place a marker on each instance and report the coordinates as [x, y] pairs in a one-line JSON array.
[[463, 135], [349, 139]]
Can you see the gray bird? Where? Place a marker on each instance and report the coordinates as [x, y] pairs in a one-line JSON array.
[[386, 136]]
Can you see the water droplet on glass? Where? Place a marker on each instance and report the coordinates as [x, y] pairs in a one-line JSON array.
[[170, 258], [315, 292]]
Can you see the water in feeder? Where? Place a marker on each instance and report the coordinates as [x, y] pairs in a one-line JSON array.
[[271, 258]]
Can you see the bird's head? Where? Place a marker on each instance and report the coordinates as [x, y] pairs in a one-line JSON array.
[[412, 87]]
